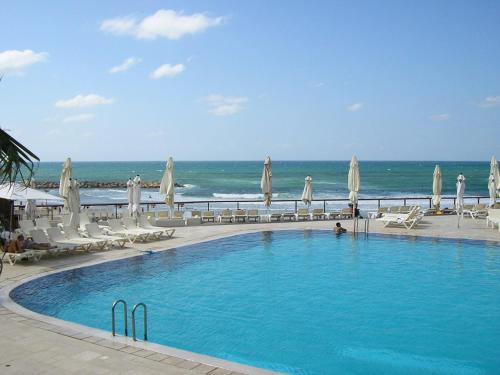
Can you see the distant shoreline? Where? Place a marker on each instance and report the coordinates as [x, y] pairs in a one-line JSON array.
[[100, 184]]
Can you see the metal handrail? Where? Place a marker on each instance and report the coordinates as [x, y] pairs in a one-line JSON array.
[[124, 316], [145, 319]]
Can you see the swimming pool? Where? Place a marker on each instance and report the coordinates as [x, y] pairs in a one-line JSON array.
[[303, 302]]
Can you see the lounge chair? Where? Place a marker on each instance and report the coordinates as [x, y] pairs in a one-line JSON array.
[[226, 215], [303, 214], [131, 224], [240, 216], [72, 235], [275, 217], [346, 213], [409, 220], [405, 209], [478, 210], [116, 228], [253, 214], [290, 216], [42, 223], [178, 215], [144, 223], [26, 226], [39, 236], [57, 237], [393, 210], [207, 216], [335, 214], [318, 214], [196, 213], [84, 220], [94, 231], [27, 254], [493, 218]]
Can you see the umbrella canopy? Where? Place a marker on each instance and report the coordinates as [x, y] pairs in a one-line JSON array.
[[496, 175], [130, 195], [307, 194], [16, 192], [74, 204], [65, 181], [266, 182], [136, 189], [492, 189], [437, 185], [353, 181], [167, 183]]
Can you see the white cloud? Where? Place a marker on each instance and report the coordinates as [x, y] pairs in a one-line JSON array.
[[15, 60], [440, 117], [167, 70], [355, 107], [165, 23], [125, 65], [82, 117], [490, 101], [225, 105], [82, 101]]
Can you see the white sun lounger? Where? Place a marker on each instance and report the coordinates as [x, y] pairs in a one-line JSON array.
[[409, 220], [28, 254], [116, 228], [94, 231], [57, 237], [42, 223], [72, 235], [131, 224], [39, 236], [493, 218], [25, 226], [144, 223], [84, 220]]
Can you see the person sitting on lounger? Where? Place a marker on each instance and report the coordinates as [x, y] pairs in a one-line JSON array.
[[19, 245], [338, 229]]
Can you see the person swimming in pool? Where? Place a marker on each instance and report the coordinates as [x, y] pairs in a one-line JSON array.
[[338, 229]]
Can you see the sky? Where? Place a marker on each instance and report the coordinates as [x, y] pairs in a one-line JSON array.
[[239, 80]]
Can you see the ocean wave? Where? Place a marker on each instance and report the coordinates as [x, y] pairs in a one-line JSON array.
[[237, 196], [187, 186]]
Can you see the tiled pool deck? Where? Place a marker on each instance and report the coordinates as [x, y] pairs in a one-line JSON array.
[[34, 344]]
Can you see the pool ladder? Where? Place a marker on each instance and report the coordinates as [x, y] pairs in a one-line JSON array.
[[125, 319], [366, 227]]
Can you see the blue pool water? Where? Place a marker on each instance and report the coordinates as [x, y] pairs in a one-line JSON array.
[[303, 302]]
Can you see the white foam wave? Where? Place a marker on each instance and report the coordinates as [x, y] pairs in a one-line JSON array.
[[237, 196]]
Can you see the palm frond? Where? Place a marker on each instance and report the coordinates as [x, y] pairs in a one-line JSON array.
[[16, 161]]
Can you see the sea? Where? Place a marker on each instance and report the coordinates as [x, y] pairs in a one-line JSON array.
[[240, 180]]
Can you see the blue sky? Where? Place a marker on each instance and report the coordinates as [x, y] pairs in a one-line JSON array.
[[235, 80]]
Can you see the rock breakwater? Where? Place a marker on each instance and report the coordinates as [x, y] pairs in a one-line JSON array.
[[101, 184]]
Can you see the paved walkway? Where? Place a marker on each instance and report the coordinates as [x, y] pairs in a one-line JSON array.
[[32, 344]]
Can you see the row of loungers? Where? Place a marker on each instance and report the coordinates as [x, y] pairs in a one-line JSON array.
[[64, 239], [228, 215], [408, 220]]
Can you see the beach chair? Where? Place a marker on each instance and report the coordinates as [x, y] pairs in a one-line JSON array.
[[288, 216], [253, 214], [72, 235], [39, 236], [493, 218], [94, 231], [335, 214], [178, 215], [276, 217], [207, 216], [57, 237], [131, 225], [303, 214], [346, 213], [478, 211], [226, 216], [405, 209], [84, 220], [25, 226], [117, 229], [42, 223], [28, 254], [393, 210], [409, 220], [318, 214], [240, 216], [196, 213], [145, 224]]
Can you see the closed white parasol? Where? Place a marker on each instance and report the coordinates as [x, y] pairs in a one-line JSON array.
[[307, 194], [167, 184], [459, 205], [266, 182], [65, 181], [136, 206], [437, 185]]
